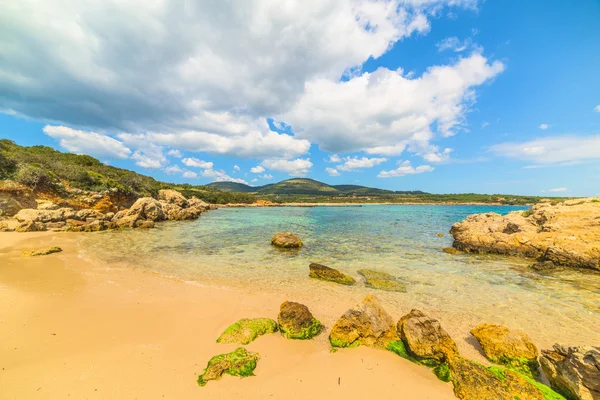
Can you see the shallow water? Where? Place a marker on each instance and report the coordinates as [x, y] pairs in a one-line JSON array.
[[231, 247]]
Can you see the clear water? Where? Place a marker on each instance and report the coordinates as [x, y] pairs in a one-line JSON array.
[[231, 247]]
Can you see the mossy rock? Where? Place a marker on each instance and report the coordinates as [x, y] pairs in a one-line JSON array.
[[239, 362], [44, 252], [297, 322], [451, 250], [547, 392], [441, 370], [246, 330], [325, 273], [382, 281]]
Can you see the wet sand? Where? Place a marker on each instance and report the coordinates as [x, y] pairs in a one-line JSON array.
[[73, 329]]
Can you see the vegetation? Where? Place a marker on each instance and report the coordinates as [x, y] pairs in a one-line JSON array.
[[547, 392], [239, 362], [246, 330], [304, 333]]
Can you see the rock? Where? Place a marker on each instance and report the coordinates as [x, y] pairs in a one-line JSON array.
[[47, 205], [573, 371], [55, 225], [15, 197], [4, 227], [508, 347], [173, 197], [146, 208], [62, 214], [240, 362], [451, 250], [297, 322], [175, 213], [382, 281], [44, 252], [366, 324], [30, 226], [473, 381], [286, 240], [195, 202], [325, 273], [246, 330], [89, 215], [564, 234], [440, 235], [425, 338]]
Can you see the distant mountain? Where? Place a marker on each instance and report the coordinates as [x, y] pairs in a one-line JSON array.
[[304, 186]]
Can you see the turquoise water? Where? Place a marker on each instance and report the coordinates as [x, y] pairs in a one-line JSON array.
[[231, 247]]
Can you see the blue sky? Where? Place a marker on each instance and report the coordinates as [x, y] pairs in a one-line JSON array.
[[443, 96]]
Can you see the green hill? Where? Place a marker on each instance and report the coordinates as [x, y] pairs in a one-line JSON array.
[[233, 187]]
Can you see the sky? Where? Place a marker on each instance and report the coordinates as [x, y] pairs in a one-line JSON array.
[[444, 96]]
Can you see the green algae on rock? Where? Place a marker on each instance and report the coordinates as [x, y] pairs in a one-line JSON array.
[[325, 273], [239, 362], [451, 250], [44, 252], [297, 322], [425, 338], [382, 281], [246, 330], [547, 392]]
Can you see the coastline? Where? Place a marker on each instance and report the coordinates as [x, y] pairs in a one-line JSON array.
[[367, 204], [72, 328]]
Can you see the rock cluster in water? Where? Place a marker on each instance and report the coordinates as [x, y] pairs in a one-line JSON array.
[[555, 234]]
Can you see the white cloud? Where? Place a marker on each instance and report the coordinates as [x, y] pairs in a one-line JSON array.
[[405, 169], [173, 169], [332, 171], [297, 167], [353, 163], [236, 168], [174, 153], [552, 149], [259, 169], [383, 111], [254, 180], [194, 162], [544, 126], [267, 177], [561, 189], [205, 76], [436, 156], [597, 109], [334, 158], [485, 124], [147, 155], [221, 176], [92, 143], [455, 44], [189, 174]]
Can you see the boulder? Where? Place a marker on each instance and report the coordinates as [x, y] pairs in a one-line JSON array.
[[195, 202], [62, 214], [451, 250], [246, 330], [146, 208], [573, 371], [425, 338], [170, 196], [286, 240], [366, 324], [47, 205], [297, 322], [473, 381], [239, 362], [43, 252], [508, 347], [30, 226], [5, 227], [382, 281], [15, 197], [325, 273]]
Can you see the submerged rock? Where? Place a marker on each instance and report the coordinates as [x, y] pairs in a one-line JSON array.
[[240, 362], [367, 324], [573, 371], [44, 252], [508, 347], [286, 240], [325, 273], [382, 281], [297, 322], [451, 250], [246, 330], [425, 338]]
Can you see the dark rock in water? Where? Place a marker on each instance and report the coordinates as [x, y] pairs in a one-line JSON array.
[[297, 322], [286, 240], [366, 324], [246, 330], [451, 250], [508, 347], [382, 281], [425, 337], [440, 235], [240, 362], [325, 273], [573, 371], [44, 252]]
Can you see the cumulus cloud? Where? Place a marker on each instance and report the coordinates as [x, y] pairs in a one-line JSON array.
[[204, 76], [353, 163], [81, 142], [221, 176], [197, 163], [334, 158], [332, 171], [174, 153], [405, 169], [147, 155], [173, 169], [259, 169], [552, 149], [597, 109], [544, 126], [189, 174], [436, 156], [267, 177], [560, 189], [236, 168], [455, 44], [297, 167]]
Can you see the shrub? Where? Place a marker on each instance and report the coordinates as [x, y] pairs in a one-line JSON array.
[[32, 176]]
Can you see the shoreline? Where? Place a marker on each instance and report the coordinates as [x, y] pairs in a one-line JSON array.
[[74, 328], [368, 204]]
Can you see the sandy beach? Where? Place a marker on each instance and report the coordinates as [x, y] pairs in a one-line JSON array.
[[73, 329]]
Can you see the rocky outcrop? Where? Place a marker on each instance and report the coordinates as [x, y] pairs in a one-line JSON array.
[[286, 240], [382, 281], [246, 330], [425, 338], [325, 273], [555, 234], [297, 322], [573, 371], [14, 197], [240, 362], [170, 196], [366, 324], [508, 347]]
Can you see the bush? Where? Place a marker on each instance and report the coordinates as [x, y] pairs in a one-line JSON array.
[[32, 176]]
